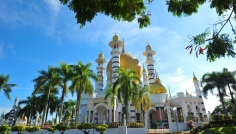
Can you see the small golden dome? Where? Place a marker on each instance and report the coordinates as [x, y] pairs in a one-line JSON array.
[[101, 55], [187, 94], [144, 71], [127, 61], [166, 100], [115, 38], [158, 88], [148, 47]]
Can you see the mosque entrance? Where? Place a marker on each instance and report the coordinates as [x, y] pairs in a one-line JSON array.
[[101, 114], [152, 120]]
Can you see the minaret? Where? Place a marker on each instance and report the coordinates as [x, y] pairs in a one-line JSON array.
[[115, 45], [100, 69], [150, 63], [13, 113], [145, 77], [197, 87]]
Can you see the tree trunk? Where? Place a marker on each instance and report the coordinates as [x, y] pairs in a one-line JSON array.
[[62, 100], [127, 112], [46, 115], [46, 106], [222, 101], [78, 105], [232, 97]]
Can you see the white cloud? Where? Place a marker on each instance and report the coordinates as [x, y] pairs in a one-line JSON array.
[[179, 71], [54, 5]]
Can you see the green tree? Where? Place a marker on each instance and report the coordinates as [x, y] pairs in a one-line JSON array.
[[65, 75], [69, 109], [228, 105], [229, 79], [30, 108], [112, 93], [219, 45], [211, 81], [5, 86], [141, 99], [81, 82], [45, 78], [126, 84]]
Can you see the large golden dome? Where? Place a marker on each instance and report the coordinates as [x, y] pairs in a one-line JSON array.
[[157, 88], [127, 61]]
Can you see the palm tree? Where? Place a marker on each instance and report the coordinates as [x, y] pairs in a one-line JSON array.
[[69, 109], [126, 84], [81, 83], [65, 74], [111, 92], [229, 79], [47, 79], [213, 81], [30, 108], [141, 99], [5, 86]]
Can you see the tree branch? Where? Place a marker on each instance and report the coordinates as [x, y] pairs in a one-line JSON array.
[[224, 23]]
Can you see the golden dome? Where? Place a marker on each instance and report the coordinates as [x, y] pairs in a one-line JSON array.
[[101, 55], [115, 38], [127, 61], [158, 88], [148, 47]]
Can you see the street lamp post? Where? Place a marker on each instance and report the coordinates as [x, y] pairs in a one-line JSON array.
[[175, 110]]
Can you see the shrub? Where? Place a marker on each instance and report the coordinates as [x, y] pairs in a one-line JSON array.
[[61, 128], [102, 128], [85, 127], [32, 130], [229, 130], [18, 128], [190, 124], [178, 132], [4, 129]]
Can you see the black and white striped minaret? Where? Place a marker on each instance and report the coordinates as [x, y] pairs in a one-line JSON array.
[[150, 63], [13, 113], [115, 45], [100, 71]]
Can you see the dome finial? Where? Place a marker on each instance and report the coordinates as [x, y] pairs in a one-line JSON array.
[[115, 37], [157, 77], [169, 93], [123, 47], [194, 77], [187, 94], [144, 68], [166, 100]]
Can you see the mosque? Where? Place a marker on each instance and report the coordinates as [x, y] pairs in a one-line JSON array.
[[96, 109]]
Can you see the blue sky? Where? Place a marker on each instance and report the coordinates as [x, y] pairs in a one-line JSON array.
[[37, 34]]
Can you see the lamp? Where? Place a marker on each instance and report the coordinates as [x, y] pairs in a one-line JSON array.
[[175, 110]]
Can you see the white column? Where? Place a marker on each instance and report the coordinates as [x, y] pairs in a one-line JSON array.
[[89, 116], [110, 115], [171, 129]]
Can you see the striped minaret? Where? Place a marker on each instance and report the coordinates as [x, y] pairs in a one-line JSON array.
[[115, 45], [150, 63], [13, 114], [197, 87], [100, 69]]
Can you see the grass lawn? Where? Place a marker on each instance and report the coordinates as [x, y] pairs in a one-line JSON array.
[[220, 130]]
